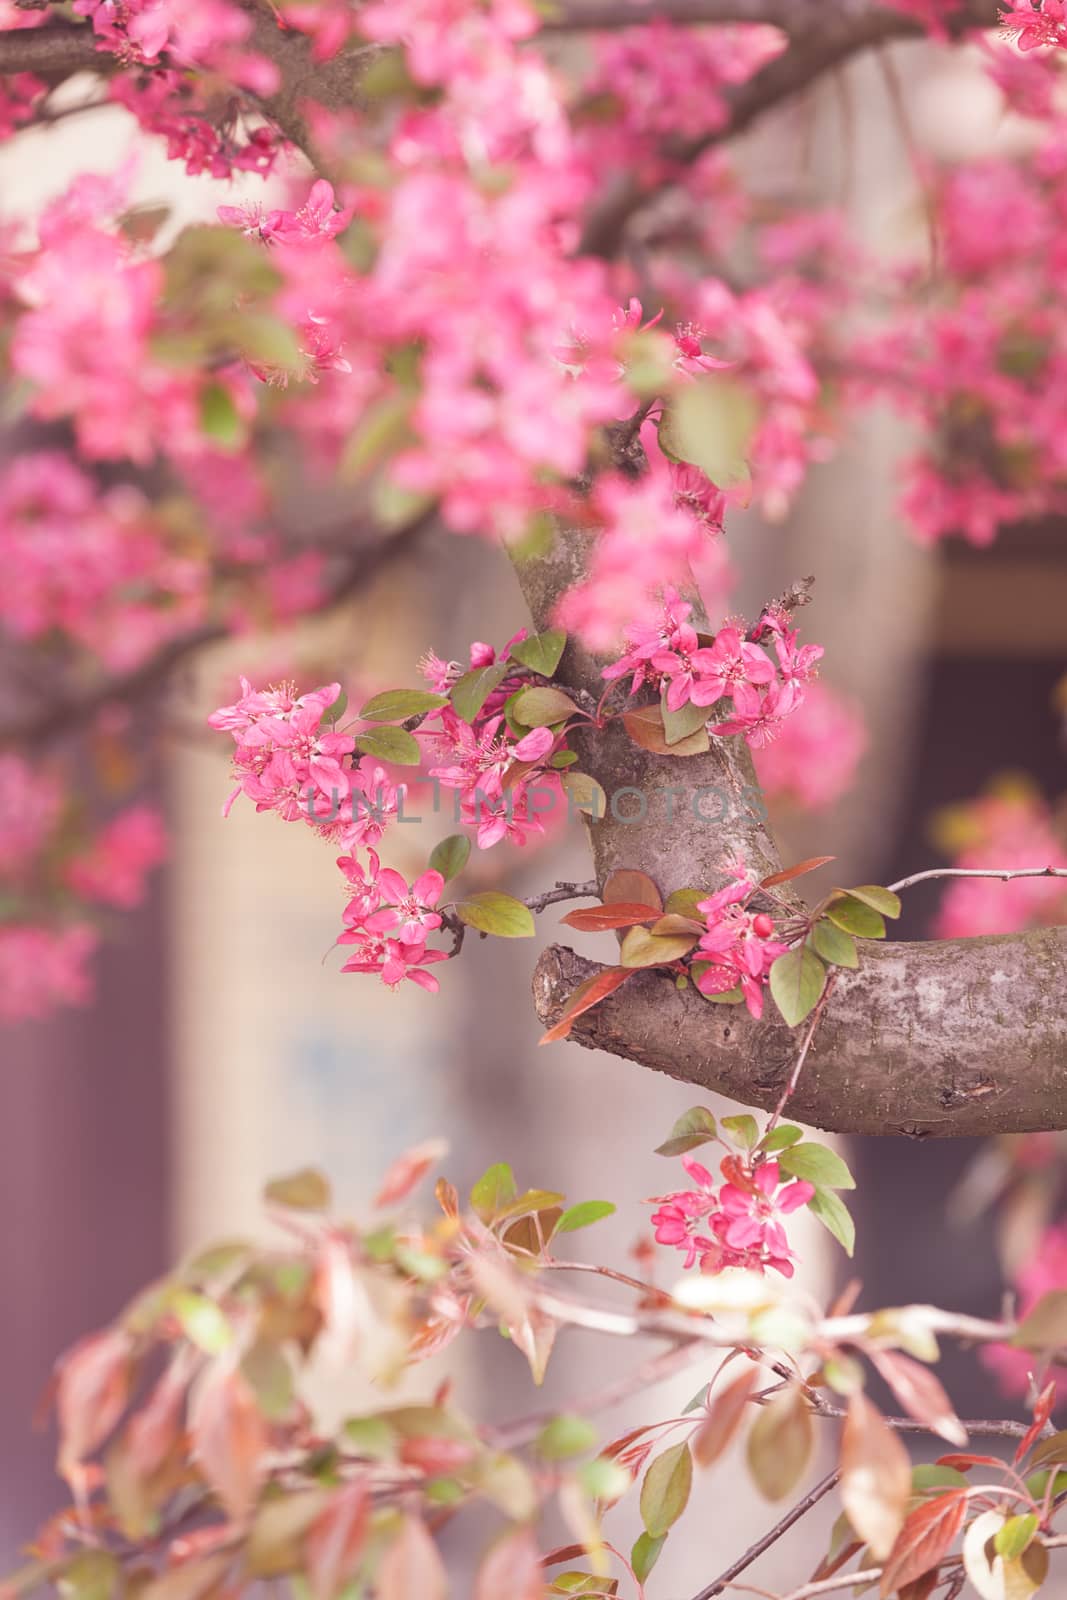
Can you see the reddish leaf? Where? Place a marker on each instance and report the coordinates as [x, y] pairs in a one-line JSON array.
[[93, 1387], [154, 1429], [408, 1169], [920, 1393], [725, 1414], [511, 1567], [229, 1438], [335, 1540], [598, 919], [963, 1463], [787, 876], [585, 997], [411, 1566], [875, 1476], [922, 1587], [925, 1538], [627, 886], [1042, 1411]]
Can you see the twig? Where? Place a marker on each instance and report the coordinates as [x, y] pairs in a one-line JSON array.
[[1004, 874], [841, 1580], [798, 1067], [802, 1507], [655, 1370], [562, 891]]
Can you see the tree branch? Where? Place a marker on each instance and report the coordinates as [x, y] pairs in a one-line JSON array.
[[826, 36], [791, 1518], [42, 724], [960, 1038]]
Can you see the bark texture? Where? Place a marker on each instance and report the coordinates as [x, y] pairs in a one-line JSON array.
[[958, 1038]]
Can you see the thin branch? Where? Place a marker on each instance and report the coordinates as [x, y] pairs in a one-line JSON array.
[[562, 891], [842, 1580], [801, 1509], [1002, 874], [802, 1055], [43, 724]]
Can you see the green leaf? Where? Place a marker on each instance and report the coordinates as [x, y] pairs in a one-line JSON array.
[[474, 688], [1045, 1327], [643, 949], [220, 419], [835, 1216], [306, 1190], [494, 1191], [645, 1554], [581, 1215], [645, 727], [780, 1138], [834, 944], [265, 340], [336, 711], [265, 1367], [603, 1479], [202, 1321], [818, 1165], [1014, 1536], [563, 758], [397, 705], [541, 653], [710, 424], [681, 724], [496, 913], [693, 1128], [665, 1491], [881, 900], [585, 794], [541, 707], [370, 1436], [565, 1436], [855, 917], [684, 902], [743, 1131], [383, 428], [451, 855], [391, 744], [797, 981]]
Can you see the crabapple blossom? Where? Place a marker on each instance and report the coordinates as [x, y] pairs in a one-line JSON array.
[[735, 1223]]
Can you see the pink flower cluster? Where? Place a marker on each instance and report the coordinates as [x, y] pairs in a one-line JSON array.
[[43, 967], [94, 565], [204, 33], [504, 787], [813, 761], [739, 946], [112, 871], [387, 921], [289, 760], [1034, 24], [736, 1223], [52, 873], [668, 655]]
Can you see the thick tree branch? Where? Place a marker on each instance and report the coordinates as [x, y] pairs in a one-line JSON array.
[[58, 50], [933, 1039], [823, 35]]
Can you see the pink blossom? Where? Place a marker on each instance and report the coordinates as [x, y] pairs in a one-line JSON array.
[[113, 870], [392, 960], [738, 1221], [43, 967], [1044, 1273], [407, 911]]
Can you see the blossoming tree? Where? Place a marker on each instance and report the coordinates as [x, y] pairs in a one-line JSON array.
[[495, 288]]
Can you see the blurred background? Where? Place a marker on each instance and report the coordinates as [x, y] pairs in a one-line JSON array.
[[224, 1047]]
